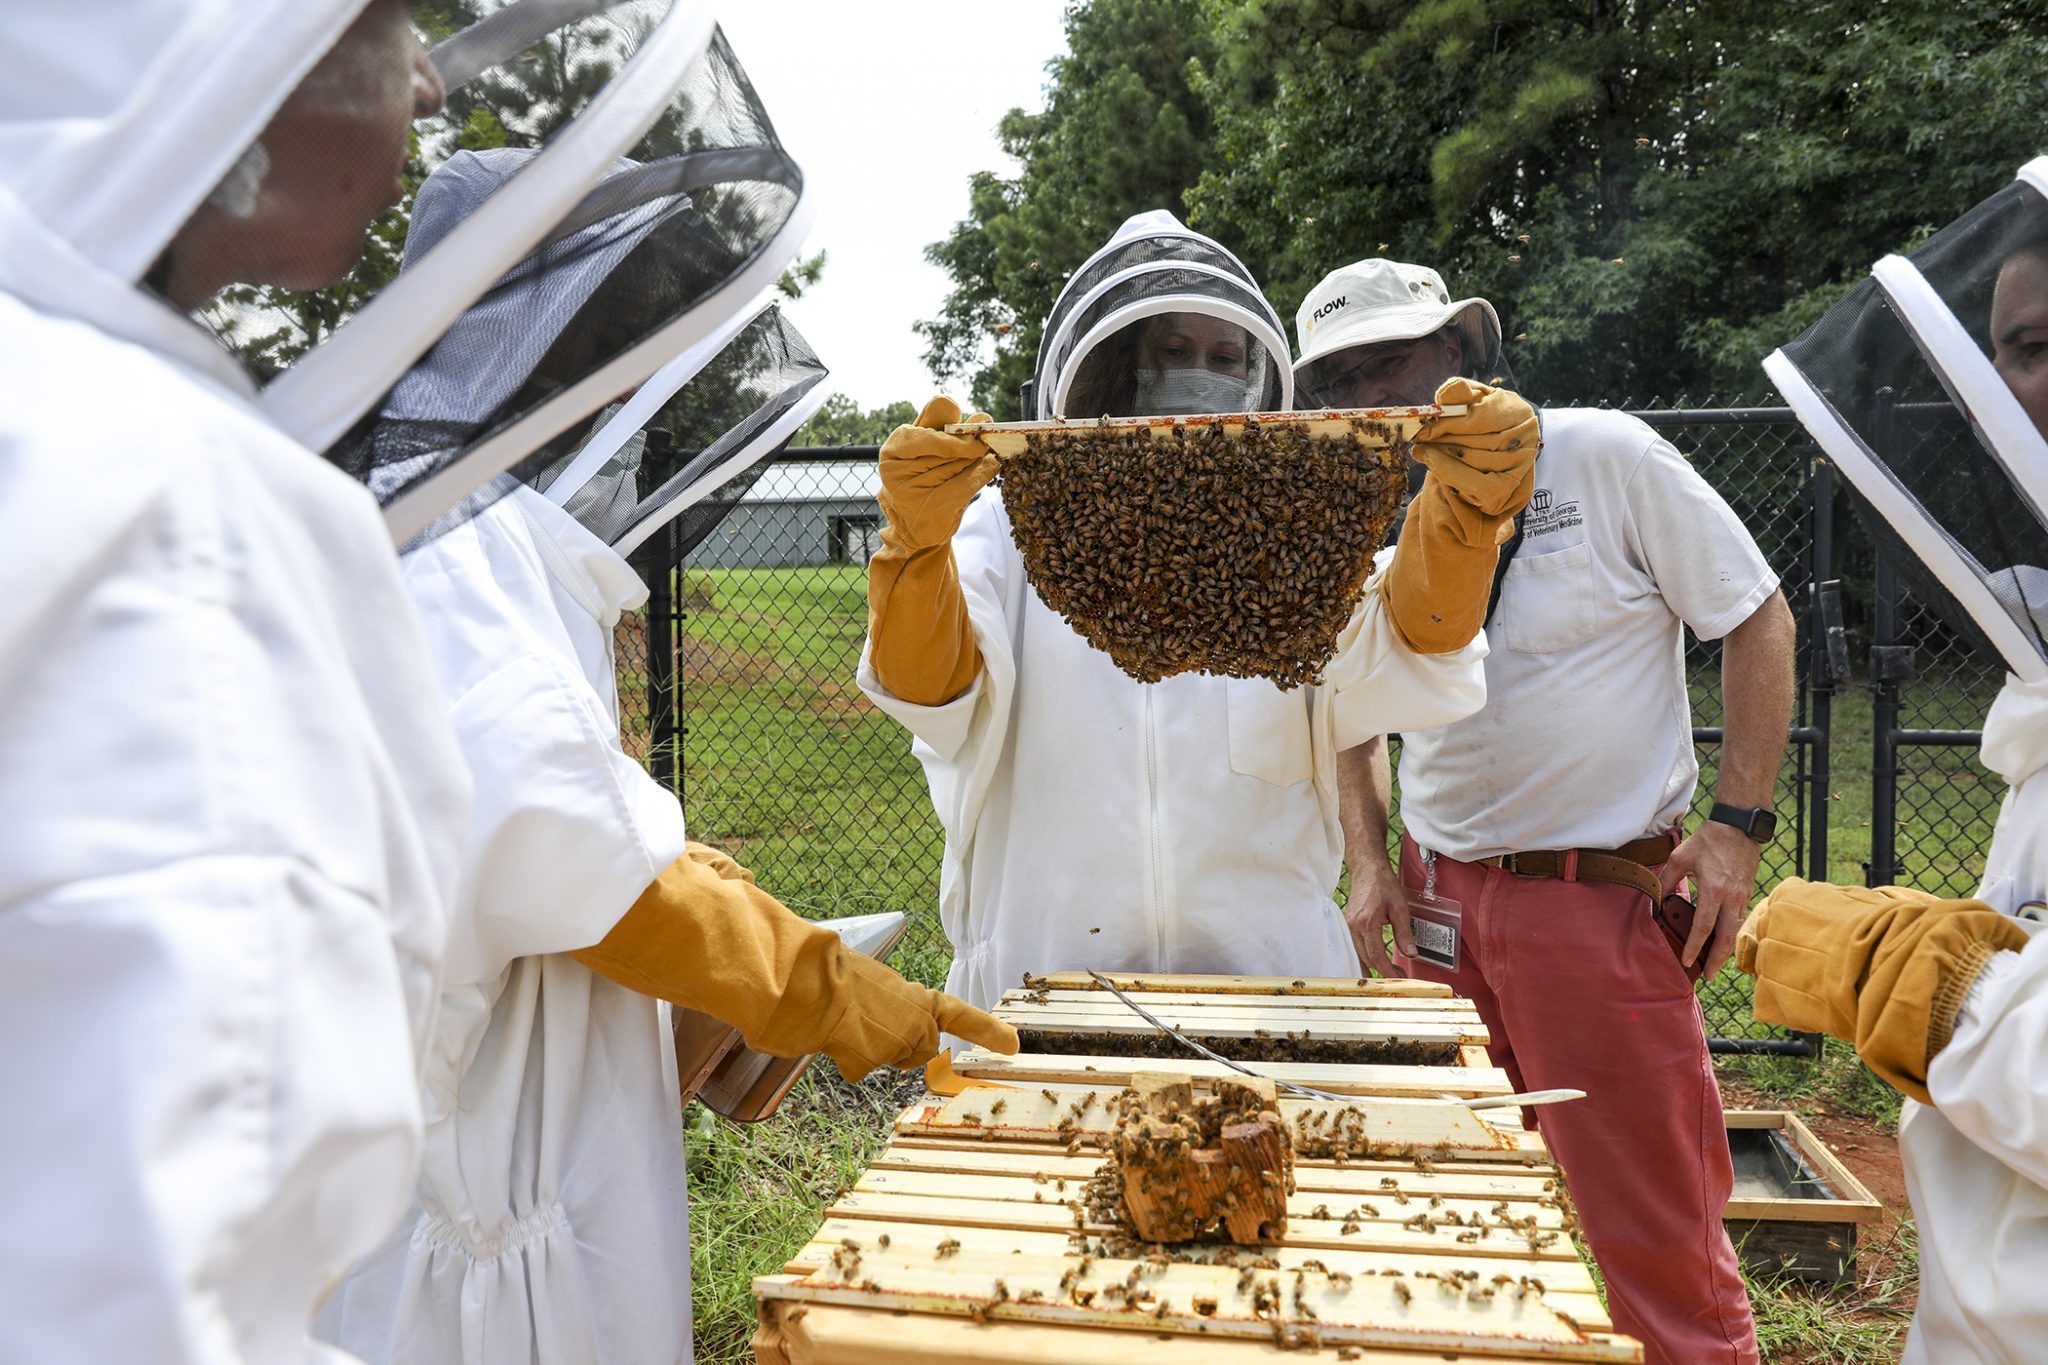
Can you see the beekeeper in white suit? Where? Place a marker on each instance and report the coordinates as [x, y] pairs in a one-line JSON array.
[[552, 1222], [1928, 388], [1188, 825], [231, 811]]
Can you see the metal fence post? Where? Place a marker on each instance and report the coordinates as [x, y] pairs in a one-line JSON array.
[[664, 688], [1826, 642]]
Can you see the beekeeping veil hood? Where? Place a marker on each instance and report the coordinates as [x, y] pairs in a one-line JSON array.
[[518, 376], [1898, 384], [581, 82], [117, 121], [1152, 267]]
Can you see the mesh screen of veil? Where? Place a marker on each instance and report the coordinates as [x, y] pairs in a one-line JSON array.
[[1091, 336], [666, 247], [1919, 431], [703, 447]]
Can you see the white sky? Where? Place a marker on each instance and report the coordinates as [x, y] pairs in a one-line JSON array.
[[889, 108]]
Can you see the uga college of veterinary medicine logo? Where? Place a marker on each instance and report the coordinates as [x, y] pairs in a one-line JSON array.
[[1546, 514]]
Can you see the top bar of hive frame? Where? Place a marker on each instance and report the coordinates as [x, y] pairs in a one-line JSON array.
[[1009, 438]]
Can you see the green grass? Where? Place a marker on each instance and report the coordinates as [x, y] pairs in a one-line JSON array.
[[815, 790], [758, 1191], [789, 768]]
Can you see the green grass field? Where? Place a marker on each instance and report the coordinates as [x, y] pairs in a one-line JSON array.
[[790, 769]]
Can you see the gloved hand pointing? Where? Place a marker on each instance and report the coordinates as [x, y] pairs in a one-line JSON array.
[[891, 1021], [706, 937]]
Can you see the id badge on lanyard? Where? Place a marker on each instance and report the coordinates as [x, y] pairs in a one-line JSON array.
[[1435, 922]]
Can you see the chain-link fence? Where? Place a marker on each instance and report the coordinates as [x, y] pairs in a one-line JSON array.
[[737, 687]]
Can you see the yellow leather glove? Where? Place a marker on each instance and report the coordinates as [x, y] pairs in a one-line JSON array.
[[1482, 469], [920, 642], [1884, 968], [704, 936]]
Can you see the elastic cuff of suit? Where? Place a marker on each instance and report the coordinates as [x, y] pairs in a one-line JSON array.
[[1950, 994]]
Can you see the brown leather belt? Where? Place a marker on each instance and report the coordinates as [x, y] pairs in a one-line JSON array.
[[1629, 865]]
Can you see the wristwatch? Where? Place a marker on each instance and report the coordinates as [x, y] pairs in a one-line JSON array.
[[1758, 822]]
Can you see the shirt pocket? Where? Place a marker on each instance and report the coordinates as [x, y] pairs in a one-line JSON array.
[[1269, 732], [1546, 601]]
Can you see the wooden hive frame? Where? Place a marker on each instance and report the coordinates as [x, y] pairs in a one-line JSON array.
[[1365, 1017], [1434, 1229], [1381, 424]]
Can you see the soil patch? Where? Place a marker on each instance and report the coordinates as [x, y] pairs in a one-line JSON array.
[[704, 661]]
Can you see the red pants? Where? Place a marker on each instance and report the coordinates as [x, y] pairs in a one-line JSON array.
[[1578, 989]]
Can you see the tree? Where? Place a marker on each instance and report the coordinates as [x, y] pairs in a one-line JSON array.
[[839, 421], [1122, 132], [1653, 194]]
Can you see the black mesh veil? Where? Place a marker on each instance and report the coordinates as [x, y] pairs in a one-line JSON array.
[[1909, 388], [689, 445], [1156, 278], [651, 259]]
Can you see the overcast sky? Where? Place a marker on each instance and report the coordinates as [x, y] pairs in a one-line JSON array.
[[889, 108]]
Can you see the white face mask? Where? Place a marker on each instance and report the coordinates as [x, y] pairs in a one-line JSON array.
[[1184, 393]]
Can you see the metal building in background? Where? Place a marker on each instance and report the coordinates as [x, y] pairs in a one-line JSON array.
[[806, 509]]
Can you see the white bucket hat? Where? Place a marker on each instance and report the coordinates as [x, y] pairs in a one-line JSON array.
[[1381, 300]]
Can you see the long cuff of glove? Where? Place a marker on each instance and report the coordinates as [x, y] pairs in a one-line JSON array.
[[920, 638], [711, 940], [1907, 1011], [1437, 586]]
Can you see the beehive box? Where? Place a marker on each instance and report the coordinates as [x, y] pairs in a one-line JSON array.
[[1796, 1209], [973, 1238], [1326, 1033], [1234, 544]]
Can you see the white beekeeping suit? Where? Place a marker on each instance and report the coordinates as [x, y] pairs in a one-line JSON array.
[[1188, 825], [230, 808], [1923, 390], [551, 1219]]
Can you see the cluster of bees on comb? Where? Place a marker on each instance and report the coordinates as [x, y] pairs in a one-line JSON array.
[[1185, 549]]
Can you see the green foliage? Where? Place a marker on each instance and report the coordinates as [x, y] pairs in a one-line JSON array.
[[1653, 195], [1122, 132], [840, 421]]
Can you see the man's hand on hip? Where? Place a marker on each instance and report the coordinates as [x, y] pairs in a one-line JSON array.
[[1378, 902], [1721, 861]]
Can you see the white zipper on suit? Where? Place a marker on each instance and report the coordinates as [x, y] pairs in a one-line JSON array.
[[1152, 805]]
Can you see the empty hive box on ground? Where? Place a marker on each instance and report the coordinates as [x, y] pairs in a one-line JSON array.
[[1229, 545], [1795, 1209]]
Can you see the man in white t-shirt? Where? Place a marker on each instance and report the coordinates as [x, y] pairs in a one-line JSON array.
[[1551, 818]]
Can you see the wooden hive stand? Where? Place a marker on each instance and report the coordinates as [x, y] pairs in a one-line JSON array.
[[1422, 1231]]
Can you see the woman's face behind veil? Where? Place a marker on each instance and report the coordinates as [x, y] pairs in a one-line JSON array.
[[1194, 341], [1170, 364]]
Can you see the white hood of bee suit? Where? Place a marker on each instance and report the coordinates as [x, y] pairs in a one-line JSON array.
[[117, 119]]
